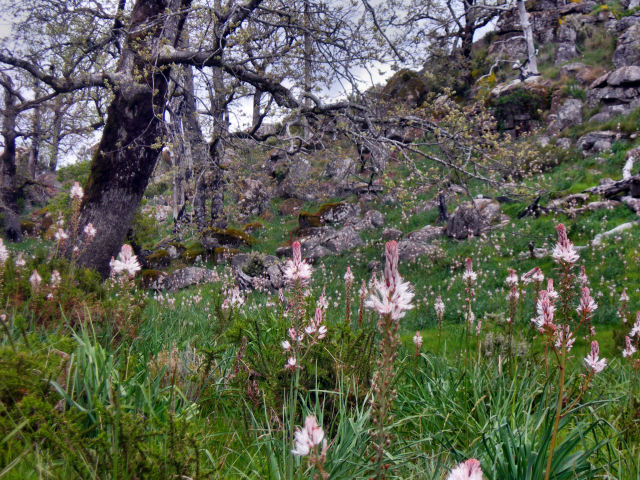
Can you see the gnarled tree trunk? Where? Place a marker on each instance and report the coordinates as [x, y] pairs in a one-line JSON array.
[[128, 149], [8, 193]]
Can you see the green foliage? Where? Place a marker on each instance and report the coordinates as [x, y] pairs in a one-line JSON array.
[[521, 101], [143, 228]]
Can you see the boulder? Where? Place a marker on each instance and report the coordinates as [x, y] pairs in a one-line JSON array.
[[316, 253], [567, 49], [409, 250], [391, 234], [291, 206], [338, 169], [426, 234], [628, 48], [569, 114], [185, 277], [600, 117], [338, 212], [625, 76], [598, 140], [632, 203], [472, 218], [211, 238], [254, 198], [342, 240], [158, 260]]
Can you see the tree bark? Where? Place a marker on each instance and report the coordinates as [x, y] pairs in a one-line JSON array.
[[532, 63], [8, 195], [128, 150]]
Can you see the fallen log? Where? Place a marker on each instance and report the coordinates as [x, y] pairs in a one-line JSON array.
[[611, 189]]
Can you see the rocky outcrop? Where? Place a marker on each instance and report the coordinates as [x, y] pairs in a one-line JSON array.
[[627, 51], [473, 218], [419, 243], [254, 198], [569, 114], [598, 141], [183, 278], [617, 91], [320, 242]]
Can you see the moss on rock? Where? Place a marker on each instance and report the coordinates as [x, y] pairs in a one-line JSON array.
[[230, 236], [194, 251], [159, 259], [309, 220]]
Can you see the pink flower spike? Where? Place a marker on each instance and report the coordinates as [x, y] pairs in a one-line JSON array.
[[291, 363], [76, 192], [564, 252], [592, 361], [469, 470], [35, 279], [308, 438], [587, 304], [417, 340], [630, 350], [391, 274]]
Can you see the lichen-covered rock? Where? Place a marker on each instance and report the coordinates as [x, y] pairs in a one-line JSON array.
[[193, 252], [224, 254], [185, 277], [254, 198], [338, 212], [212, 237], [342, 240], [158, 260], [628, 48], [391, 234], [472, 218], [291, 206]]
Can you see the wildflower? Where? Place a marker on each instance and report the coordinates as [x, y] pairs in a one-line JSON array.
[[630, 350], [439, 307], [35, 279], [309, 437], [564, 336], [512, 279], [126, 261], [297, 270], [55, 279], [635, 331], [550, 290], [322, 332], [417, 340], [478, 328], [348, 277], [587, 304], [291, 363], [592, 361], [76, 192], [20, 261], [545, 310], [469, 275], [286, 346], [564, 252], [534, 275], [582, 278], [60, 235], [624, 297], [469, 470], [90, 230], [394, 296], [4, 253]]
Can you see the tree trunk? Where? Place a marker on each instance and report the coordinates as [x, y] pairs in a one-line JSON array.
[[307, 68], [257, 97], [128, 150], [532, 63], [56, 130], [8, 195]]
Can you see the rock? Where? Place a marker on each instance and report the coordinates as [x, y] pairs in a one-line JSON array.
[[245, 282], [316, 253], [569, 114], [342, 240], [598, 239], [375, 218], [628, 48], [589, 140], [276, 277], [426, 234], [338, 212], [600, 117], [567, 49], [374, 265], [186, 277], [176, 250], [211, 238], [605, 181], [624, 76], [570, 200], [601, 146], [473, 218], [291, 206], [602, 205], [626, 22], [571, 69], [158, 260], [391, 234], [254, 198], [632, 203], [338, 169], [240, 260], [564, 143], [409, 251]]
